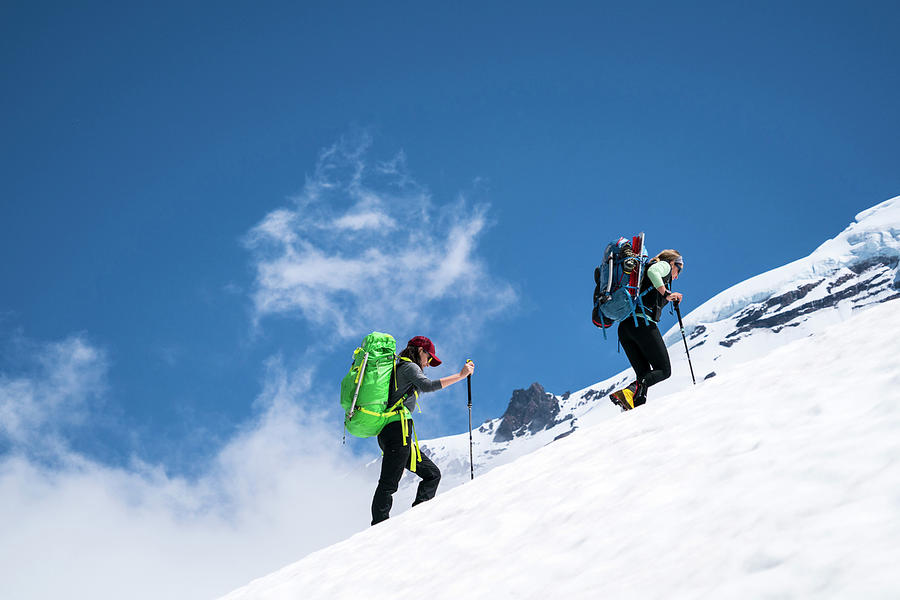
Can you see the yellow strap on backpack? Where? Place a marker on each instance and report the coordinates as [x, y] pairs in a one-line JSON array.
[[415, 455], [394, 374], [404, 428], [408, 428]]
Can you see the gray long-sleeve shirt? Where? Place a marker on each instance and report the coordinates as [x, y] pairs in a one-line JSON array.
[[410, 379]]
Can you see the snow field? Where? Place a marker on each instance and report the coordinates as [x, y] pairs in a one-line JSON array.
[[777, 478]]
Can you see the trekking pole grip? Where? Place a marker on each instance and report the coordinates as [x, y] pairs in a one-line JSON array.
[[469, 384]]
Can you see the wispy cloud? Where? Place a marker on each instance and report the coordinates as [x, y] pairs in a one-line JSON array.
[[65, 376], [364, 246]]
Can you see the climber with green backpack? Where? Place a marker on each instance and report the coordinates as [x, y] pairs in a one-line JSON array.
[[378, 396]]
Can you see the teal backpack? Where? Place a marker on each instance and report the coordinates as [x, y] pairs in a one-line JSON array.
[[365, 391]]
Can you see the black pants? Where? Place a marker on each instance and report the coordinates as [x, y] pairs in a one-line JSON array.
[[396, 459], [644, 347]]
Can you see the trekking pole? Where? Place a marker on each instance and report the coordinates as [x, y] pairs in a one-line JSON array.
[[686, 351], [471, 459]]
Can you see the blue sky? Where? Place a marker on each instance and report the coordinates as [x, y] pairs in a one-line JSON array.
[[189, 192]]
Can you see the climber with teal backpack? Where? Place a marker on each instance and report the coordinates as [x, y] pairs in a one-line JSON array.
[[632, 290], [638, 333], [378, 396]]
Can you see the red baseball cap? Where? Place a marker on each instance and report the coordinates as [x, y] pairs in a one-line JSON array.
[[425, 344]]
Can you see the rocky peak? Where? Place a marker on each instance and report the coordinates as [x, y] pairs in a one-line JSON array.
[[529, 410]]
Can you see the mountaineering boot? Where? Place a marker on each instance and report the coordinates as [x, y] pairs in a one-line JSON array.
[[624, 398], [640, 394]]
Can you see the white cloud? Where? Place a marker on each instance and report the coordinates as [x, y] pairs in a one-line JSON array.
[[366, 220], [282, 487], [365, 247], [35, 409]]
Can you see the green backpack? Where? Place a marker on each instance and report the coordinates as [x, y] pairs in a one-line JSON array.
[[365, 391], [366, 388]]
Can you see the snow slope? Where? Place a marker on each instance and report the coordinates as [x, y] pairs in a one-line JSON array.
[[780, 477]]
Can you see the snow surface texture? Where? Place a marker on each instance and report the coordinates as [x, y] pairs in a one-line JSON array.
[[855, 270], [777, 478]]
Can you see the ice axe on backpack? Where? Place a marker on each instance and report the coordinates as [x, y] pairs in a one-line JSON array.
[[686, 351]]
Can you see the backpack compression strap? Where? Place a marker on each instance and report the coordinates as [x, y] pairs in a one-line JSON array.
[[640, 303], [406, 426]]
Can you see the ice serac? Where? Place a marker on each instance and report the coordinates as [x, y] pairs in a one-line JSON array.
[[858, 267]]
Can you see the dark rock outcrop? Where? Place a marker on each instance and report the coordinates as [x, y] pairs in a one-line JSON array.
[[529, 410], [873, 277]]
